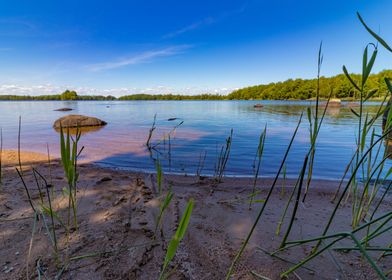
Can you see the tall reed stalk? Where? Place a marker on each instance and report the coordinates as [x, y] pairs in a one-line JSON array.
[[151, 131], [223, 158], [162, 208], [258, 157], [261, 211], [19, 132], [158, 168], [200, 165], [314, 125], [301, 180]]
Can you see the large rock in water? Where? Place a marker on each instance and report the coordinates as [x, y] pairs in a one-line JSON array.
[[78, 121]]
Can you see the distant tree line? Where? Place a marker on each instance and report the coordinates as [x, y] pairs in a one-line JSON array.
[[306, 89], [66, 95], [173, 97], [289, 89]]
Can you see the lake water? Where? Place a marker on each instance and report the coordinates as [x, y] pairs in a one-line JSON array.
[[206, 125]]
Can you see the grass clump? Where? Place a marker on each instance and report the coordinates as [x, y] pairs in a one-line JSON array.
[[69, 158]]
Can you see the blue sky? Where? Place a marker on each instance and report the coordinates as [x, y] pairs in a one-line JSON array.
[[123, 47]]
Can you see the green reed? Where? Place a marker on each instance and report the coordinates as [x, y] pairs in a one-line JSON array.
[[258, 157], [283, 188], [280, 223], [151, 131], [336, 238], [69, 157], [158, 168], [167, 135], [360, 196], [313, 125], [315, 122], [365, 159], [163, 206], [49, 210], [200, 165], [301, 180], [223, 158], [177, 238], [19, 132], [261, 211]]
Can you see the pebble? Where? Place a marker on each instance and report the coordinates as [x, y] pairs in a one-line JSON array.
[[7, 269]]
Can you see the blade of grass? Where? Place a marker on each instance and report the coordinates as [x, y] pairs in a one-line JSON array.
[[176, 239], [245, 243]]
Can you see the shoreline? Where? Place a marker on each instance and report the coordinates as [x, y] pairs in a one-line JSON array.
[[10, 159], [118, 209], [197, 100]]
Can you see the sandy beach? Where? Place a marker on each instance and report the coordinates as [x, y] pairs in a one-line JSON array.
[[117, 211]]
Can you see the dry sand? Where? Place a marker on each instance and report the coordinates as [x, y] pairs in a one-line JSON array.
[[117, 212]]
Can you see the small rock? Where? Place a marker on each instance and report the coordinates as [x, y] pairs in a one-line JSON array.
[[11, 268], [64, 109], [104, 179]]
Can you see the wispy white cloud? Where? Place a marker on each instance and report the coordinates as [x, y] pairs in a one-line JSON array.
[[204, 22], [144, 57], [16, 27], [193, 26], [48, 89]]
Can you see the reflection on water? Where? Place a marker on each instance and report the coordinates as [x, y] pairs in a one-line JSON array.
[[121, 144], [83, 130]]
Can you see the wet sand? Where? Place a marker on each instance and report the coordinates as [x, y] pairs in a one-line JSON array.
[[117, 211]]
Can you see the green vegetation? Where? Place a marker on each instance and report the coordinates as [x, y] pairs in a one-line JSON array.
[[66, 95], [173, 97], [69, 158], [176, 239], [292, 89], [222, 159], [256, 166], [69, 95], [365, 167], [306, 89], [363, 189]]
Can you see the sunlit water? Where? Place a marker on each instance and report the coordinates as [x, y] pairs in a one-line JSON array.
[[206, 125]]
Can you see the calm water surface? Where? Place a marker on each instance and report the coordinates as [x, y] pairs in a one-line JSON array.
[[206, 124]]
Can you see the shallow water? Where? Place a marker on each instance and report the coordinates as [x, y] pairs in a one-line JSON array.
[[206, 124]]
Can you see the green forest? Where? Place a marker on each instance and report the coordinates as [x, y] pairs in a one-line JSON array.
[[292, 89], [66, 95], [302, 89]]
